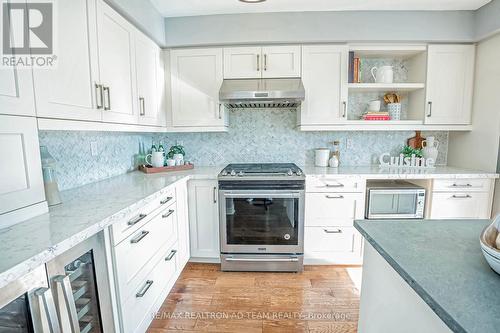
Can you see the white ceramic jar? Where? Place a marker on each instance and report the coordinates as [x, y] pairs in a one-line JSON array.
[[321, 157]]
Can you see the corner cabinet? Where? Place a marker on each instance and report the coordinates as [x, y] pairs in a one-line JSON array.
[[450, 77], [196, 78], [204, 220], [324, 74]]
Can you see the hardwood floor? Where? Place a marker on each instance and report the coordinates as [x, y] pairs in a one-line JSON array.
[[321, 299]]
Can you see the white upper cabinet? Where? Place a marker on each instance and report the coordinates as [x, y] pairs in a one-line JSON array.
[[450, 75], [147, 58], [262, 62], [117, 65], [242, 62], [281, 61], [196, 77], [21, 181], [324, 74], [69, 91], [16, 91]]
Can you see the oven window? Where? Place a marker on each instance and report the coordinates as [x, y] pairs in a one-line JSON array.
[[266, 221], [15, 317], [388, 204]]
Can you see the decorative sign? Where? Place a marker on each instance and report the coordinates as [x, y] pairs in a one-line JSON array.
[[388, 161]]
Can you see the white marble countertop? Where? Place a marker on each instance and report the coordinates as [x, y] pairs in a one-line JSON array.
[[89, 209], [376, 172], [85, 211]]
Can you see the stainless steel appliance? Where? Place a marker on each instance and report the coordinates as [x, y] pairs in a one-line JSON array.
[[261, 209], [262, 93], [394, 200], [80, 284], [27, 305]]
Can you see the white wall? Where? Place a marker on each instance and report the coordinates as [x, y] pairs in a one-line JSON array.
[[456, 26], [479, 148]]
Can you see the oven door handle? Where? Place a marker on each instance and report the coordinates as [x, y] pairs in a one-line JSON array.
[[262, 195], [291, 259]]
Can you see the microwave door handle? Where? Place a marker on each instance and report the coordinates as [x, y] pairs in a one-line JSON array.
[[65, 284], [44, 296]]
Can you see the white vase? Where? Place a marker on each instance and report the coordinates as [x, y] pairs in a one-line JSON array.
[[430, 148]]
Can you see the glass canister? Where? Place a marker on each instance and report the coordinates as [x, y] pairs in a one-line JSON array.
[[49, 177]]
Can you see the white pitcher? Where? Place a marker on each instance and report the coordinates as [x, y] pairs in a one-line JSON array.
[[430, 148], [383, 74]]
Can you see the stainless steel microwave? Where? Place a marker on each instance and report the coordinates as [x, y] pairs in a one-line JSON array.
[[394, 200]]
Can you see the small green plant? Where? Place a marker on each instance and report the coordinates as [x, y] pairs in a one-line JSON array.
[[408, 151], [177, 149]]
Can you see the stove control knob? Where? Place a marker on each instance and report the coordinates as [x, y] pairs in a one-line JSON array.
[[224, 173], [240, 174], [290, 172], [233, 173], [299, 173]]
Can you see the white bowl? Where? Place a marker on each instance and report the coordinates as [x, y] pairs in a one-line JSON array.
[[488, 244]]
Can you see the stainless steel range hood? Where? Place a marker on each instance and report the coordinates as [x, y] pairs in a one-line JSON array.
[[262, 93]]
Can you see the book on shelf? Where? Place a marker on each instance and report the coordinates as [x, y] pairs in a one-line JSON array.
[[351, 66], [376, 116]]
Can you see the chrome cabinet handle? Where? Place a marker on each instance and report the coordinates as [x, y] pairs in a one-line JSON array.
[[258, 62], [334, 185], [220, 114], [142, 106], [45, 295], [429, 114], [334, 196], [107, 106], [338, 231], [171, 255], [139, 237], [144, 289], [265, 62], [461, 196], [461, 185], [215, 194], [164, 201], [344, 110], [170, 212], [137, 219], [65, 283], [99, 96]]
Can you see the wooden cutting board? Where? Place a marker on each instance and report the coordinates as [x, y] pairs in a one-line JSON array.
[[416, 141]]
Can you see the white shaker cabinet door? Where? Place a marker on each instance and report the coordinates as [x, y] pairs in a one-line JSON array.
[[69, 90], [324, 74], [116, 65], [204, 218], [21, 183], [281, 61], [450, 76], [16, 88], [243, 62], [148, 98], [196, 78]]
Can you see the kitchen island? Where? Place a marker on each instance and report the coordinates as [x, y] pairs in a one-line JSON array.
[[427, 276]]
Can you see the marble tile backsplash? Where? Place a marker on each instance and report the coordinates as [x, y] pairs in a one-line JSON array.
[[253, 136]]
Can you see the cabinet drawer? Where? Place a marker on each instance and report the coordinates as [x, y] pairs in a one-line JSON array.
[[331, 184], [333, 209], [461, 205], [330, 239], [135, 220], [134, 253], [461, 185], [137, 307]]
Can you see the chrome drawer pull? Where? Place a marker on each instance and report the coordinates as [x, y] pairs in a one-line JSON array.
[[144, 289], [461, 196], [164, 201], [137, 219], [334, 185], [461, 185], [334, 196], [139, 237], [171, 255], [338, 231], [170, 212]]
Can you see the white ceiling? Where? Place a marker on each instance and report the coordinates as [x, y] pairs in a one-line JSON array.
[[172, 8]]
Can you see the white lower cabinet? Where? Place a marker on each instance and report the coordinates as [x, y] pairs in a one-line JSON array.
[[332, 245], [204, 219], [183, 250]]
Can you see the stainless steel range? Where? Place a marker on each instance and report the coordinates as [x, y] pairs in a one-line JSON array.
[[262, 217]]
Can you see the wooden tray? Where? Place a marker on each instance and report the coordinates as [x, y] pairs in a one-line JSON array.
[[150, 169]]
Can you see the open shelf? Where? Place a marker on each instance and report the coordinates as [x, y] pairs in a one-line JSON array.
[[386, 86]]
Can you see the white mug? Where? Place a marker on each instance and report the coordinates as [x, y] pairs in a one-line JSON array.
[[383, 74], [170, 162], [374, 105], [156, 159]]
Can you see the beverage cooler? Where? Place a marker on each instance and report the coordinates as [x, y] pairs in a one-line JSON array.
[[80, 284]]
